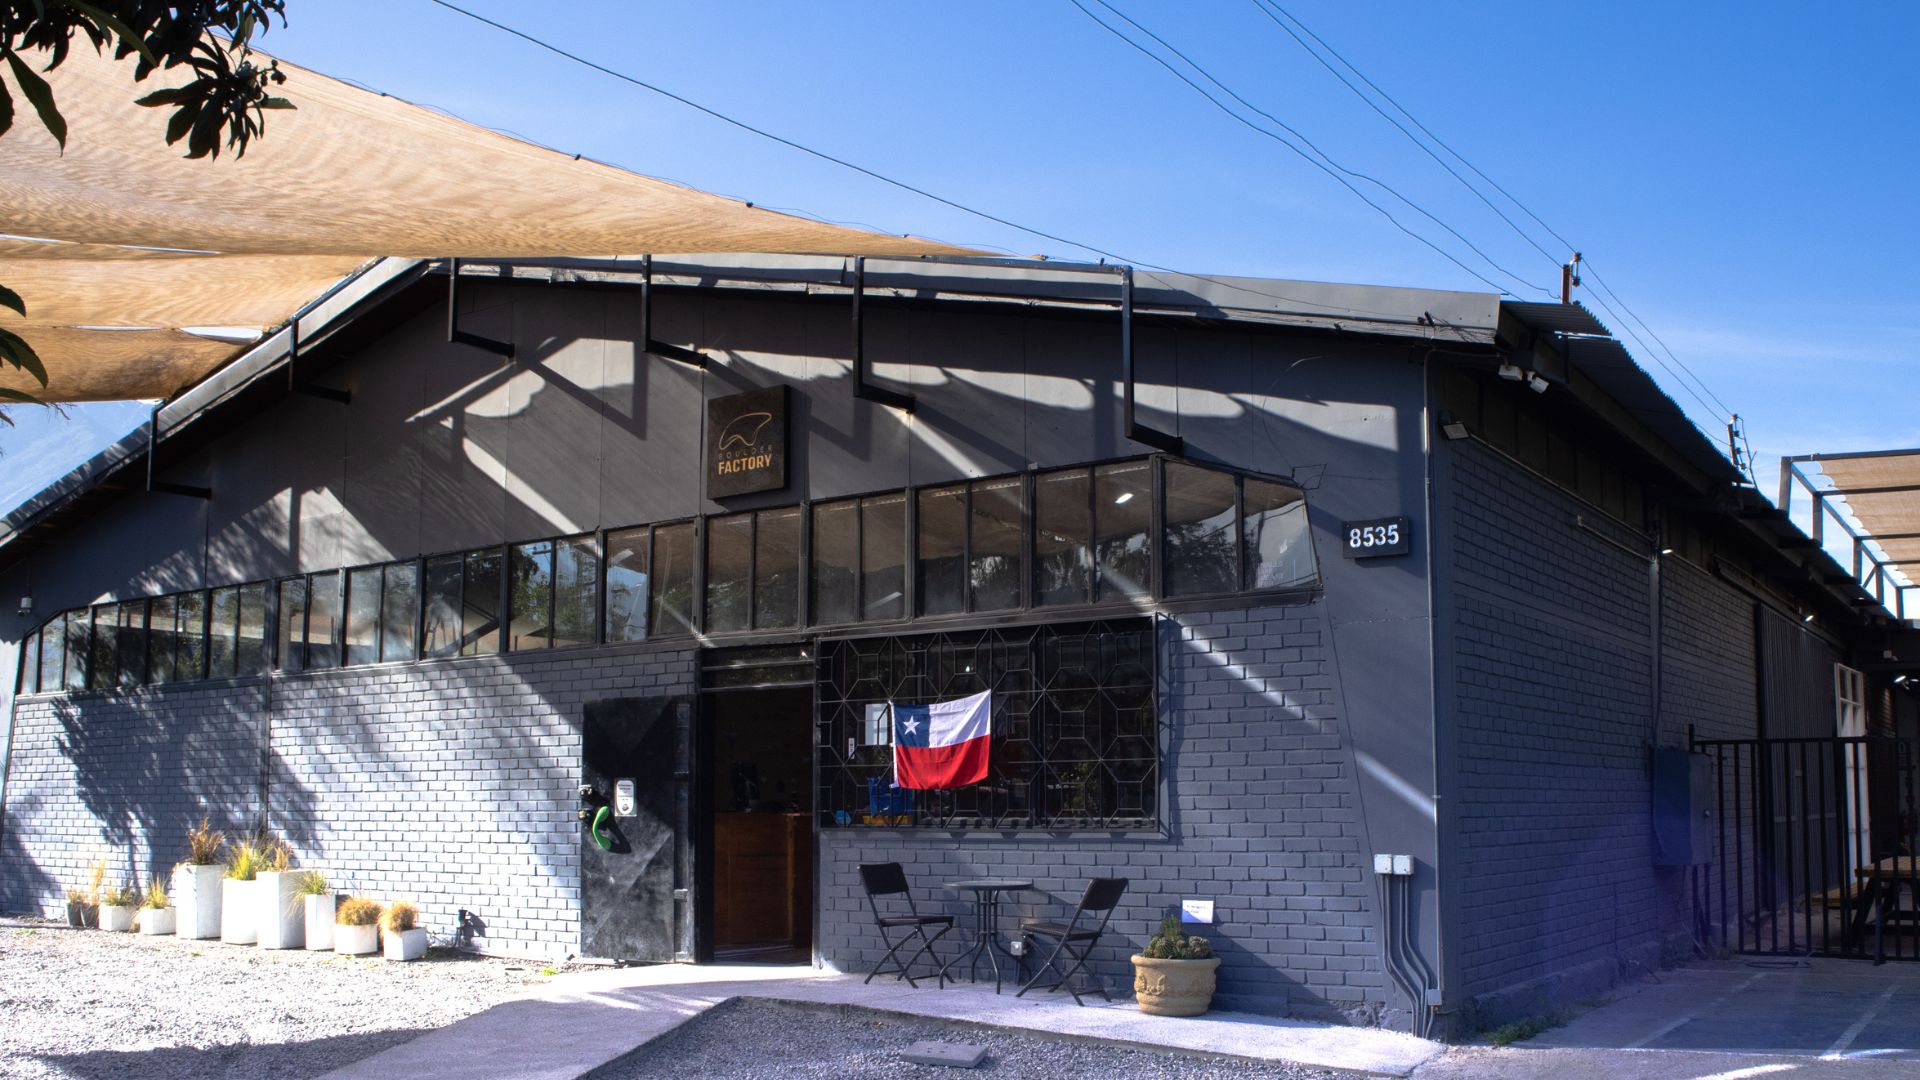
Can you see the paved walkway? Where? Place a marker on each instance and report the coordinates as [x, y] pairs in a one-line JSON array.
[[587, 1019]]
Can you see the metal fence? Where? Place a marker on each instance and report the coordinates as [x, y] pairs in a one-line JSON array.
[[1814, 848]]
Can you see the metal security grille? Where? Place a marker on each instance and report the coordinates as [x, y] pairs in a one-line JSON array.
[[1814, 849], [1076, 735]]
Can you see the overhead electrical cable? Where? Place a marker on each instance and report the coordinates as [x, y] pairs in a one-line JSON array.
[[1630, 317], [904, 186], [1296, 133], [1264, 4], [1343, 181]]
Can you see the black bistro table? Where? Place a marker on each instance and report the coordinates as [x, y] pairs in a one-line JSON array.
[[986, 918]]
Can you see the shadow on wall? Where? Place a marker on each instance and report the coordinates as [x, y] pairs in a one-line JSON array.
[[24, 887], [149, 766]]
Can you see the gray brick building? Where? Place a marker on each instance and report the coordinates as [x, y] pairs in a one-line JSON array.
[[1268, 578]]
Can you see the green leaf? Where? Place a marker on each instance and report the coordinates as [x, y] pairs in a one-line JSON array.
[[41, 95], [275, 103], [6, 109], [121, 30], [21, 396], [9, 298], [15, 350], [177, 125], [204, 138], [177, 95]]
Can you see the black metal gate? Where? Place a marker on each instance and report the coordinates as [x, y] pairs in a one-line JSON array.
[[1814, 848]]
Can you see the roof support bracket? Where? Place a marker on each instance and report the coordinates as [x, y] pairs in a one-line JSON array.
[[1138, 432], [862, 389], [294, 385], [458, 336], [161, 486], [690, 357]]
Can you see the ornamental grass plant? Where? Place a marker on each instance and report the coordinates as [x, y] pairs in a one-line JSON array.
[[400, 916], [357, 911], [204, 843], [156, 897], [314, 883]]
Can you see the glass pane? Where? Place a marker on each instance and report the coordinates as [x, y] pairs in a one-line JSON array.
[[79, 637], [994, 567], [1062, 563], [1278, 543], [776, 568], [443, 605], [1122, 517], [163, 637], [729, 590], [480, 604], [190, 653], [627, 585], [399, 609], [941, 521], [576, 580], [883, 556], [28, 681], [105, 669], [253, 629], [223, 630], [530, 597], [836, 593], [323, 620], [363, 615], [292, 642], [671, 613], [53, 654], [133, 643], [1200, 542]]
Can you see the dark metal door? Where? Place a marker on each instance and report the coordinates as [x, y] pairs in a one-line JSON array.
[[636, 890]]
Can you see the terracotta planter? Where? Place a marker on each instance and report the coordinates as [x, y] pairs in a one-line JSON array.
[[406, 944], [356, 940], [279, 918], [237, 910], [319, 914], [1174, 987], [196, 900], [156, 921], [116, 918]]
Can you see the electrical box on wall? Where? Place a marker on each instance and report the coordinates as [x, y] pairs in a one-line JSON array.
[[1683, 822]]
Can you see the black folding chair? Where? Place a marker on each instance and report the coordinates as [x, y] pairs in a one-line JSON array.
[[887, 879], [1075, 938]]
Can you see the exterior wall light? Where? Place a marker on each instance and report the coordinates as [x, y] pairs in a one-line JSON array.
[[1538, 384], [1454, 429], [26, 607], [1512, 372]]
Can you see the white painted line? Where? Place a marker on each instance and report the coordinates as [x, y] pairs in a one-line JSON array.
[[1670, 1028], [1751, 1070], [1839, 1047]]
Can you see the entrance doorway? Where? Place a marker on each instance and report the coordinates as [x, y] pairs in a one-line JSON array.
[[757, 777]]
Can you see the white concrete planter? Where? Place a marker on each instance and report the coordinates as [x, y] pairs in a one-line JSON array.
[[116, 918], [319, 913], [280, 919], [356, 940], [406, 944], [156, 921], [237, 909], [196, 900]]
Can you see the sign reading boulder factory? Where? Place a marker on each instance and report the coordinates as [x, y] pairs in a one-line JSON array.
[[747, 442]]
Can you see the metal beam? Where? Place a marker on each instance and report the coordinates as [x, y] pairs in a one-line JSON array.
[[1138, 432], [458, 336], [294, 385], [651, 344], [861, 388], [161, 486]]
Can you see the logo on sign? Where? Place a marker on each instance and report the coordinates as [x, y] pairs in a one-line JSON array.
[[747, 442]]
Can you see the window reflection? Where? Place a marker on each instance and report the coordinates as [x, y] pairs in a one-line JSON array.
[[627, 577], [1062, 561], [1202, 551]]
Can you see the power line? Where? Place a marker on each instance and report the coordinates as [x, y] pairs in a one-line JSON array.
[[1151, 55], [902, 185], [1296, 133], [1263, 4], [1587, 264]]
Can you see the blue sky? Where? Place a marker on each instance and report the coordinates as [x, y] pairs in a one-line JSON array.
[[1740, 175]]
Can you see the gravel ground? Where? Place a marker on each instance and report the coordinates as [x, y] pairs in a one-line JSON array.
[[748, 1038], [86, 1004]]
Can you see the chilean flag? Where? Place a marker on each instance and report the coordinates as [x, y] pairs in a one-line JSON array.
[[943, 745]]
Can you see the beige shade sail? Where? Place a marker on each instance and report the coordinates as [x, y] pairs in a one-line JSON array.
[[1890, 517], [346, 176]]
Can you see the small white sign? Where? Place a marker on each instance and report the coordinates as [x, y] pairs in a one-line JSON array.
[[879, 726], [1196, 911]]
